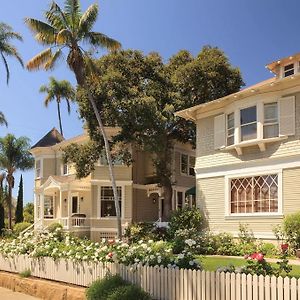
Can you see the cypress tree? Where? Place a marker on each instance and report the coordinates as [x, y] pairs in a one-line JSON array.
[[19, 208], [2, 199]]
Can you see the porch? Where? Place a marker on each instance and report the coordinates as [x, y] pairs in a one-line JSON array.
[[64, 200]]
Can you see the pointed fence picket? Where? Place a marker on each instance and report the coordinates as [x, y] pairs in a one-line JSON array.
[[162, 283]]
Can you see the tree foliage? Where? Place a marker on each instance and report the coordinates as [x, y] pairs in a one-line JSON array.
[[19, 209], [6, 48], [140, 94], [29, 213], [14, 155]]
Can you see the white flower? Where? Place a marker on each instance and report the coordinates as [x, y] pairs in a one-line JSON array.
[[181, 256]]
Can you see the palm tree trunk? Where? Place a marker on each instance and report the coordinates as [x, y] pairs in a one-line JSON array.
[[9, 205], [110, 165], [59, 117]]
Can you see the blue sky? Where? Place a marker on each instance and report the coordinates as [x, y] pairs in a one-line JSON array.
[[252, 33]]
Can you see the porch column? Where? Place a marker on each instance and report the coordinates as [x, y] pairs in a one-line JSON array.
[[42, 208], [69, 209], [60, 204]]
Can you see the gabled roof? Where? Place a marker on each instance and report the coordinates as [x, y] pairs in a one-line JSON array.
[[52, 138]]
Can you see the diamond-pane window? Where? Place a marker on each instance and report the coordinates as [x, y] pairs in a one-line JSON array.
[[254, 194]]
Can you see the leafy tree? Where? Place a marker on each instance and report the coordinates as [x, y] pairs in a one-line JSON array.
[[56, 91], [19, 209], [68, 28], [140, 94], [2, 200], [29, 213], [14, 155], [6, 48]]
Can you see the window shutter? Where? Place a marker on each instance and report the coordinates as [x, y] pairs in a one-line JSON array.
[[287, 116], [219, 131]]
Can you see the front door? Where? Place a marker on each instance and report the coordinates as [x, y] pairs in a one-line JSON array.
[[75, 205]]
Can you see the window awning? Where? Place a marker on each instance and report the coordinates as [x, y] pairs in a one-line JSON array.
[[191, 191]]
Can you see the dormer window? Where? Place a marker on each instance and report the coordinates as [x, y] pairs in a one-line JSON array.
[[288, 70], [248, 123]]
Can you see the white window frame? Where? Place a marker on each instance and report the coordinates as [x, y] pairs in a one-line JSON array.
[[41, 168], [247, 124], [99, 202], [266, 123], [227, 128], [53, 207], [63, 169], [188, 164], [251, 174]]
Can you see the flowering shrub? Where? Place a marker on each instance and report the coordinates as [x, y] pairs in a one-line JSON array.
[[60, 245]]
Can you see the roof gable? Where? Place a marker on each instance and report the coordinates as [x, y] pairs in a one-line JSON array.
[[52, 138]]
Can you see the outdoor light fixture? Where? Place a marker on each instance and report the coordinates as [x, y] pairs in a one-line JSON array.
[[81, 199], [65, 200]]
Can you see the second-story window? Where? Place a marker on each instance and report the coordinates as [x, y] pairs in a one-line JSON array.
[[187, 164], [271, 124], [230, 129], [65, 169], [248, 123], [38, 168], [288, 70]]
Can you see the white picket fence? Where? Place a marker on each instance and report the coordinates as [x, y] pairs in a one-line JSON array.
[[162, 283]]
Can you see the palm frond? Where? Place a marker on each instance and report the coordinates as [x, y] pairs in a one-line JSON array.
[[3, 119], [64, 37], [88, 20], [98, 39], [39, 61], [10, 50], [13, 35], [6, 67], [56, 17], [72, 12], [68, 106], [45, 33], [50, 64]]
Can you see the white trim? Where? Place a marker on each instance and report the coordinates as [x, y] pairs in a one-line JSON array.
[[264, 165], [188, 163], [62, 169], [108, 182], [228, 178], [260, 235], [41, 160]]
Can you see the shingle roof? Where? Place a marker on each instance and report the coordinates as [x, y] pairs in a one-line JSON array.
[[53, 137]]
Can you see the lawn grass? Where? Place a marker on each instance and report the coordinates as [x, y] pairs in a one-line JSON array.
[[212, 263]]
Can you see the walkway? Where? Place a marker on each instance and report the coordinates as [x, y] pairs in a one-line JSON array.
[[6, 294]]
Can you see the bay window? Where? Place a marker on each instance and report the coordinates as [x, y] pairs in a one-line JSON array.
[[248, 119], [254, 194]]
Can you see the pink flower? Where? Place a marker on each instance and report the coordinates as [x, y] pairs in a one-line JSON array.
[[284, 247], [259, 257]]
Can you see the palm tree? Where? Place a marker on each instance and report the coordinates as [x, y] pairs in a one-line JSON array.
[[7, 49], [69, 28], [56, 91], [3, 119], [14, 155]]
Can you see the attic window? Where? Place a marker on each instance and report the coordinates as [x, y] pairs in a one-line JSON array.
[[288, 70]]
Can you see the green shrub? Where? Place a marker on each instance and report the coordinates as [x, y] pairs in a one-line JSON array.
[[225, 244], [129, 292], [139, 231], [19, 227], [268, 249], [186, 218], [291, 229], [26, 273], [52, 227], [100, 289]]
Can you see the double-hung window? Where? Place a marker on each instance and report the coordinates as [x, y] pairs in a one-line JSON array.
[[248, 118], [187, 164], [48, 207], [230, 129], [108, 208], [38, 168], [271, 124]]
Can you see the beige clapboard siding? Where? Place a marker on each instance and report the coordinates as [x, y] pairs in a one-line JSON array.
[[291, 190], [208, 157], [49, 165], [121, 173]]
